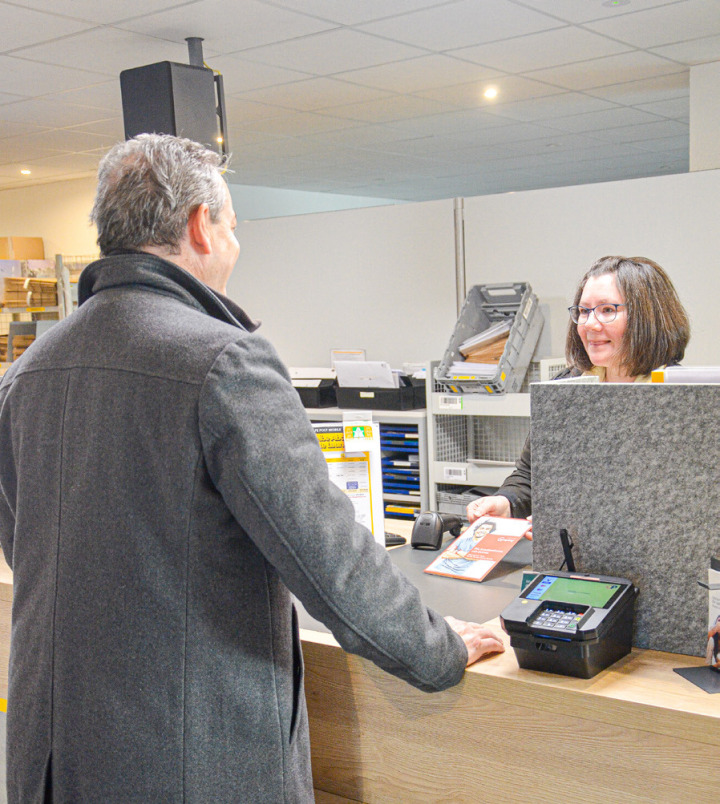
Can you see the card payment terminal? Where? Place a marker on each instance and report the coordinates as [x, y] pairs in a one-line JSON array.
[[575, 624]]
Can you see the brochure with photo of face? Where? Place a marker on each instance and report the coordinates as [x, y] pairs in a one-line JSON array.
[[479, 548]]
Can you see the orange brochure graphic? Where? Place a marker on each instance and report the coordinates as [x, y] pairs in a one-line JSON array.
[[479, 548]]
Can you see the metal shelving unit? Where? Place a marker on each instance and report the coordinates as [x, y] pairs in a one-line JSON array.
[[474, 439], [415, 418]]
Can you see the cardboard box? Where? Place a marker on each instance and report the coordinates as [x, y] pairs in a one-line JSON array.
[[22, 248]]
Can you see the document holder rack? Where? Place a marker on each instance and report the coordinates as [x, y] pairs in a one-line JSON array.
[[485, 306]]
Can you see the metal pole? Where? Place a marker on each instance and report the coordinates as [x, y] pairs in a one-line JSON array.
[[63, 288], [459, 212], [195, 53]]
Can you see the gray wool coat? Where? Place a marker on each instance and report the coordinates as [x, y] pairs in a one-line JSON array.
[[162, 493]]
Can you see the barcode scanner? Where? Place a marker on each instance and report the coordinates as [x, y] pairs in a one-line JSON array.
[[429, 527]]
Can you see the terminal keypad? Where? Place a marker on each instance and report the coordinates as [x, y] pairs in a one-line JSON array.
[[557, 619]]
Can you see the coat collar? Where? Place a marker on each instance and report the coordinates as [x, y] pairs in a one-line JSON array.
[[138, 268]]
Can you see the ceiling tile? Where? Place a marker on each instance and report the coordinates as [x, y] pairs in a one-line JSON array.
[[697, 51], [647, 131], [662, 87], [9, 129], [422, 73], [68, 139], [608, 70], [353, 13], [585, 10], [397, 107], [105, 12], [461, 24], [18, 149], [664, 25], [305, 94], [510, 88], [314, 93], [228, 29], [560, 105], [31, 79], [241, 75], [677, 108], [69, 163], [540, 50], [676, 144], [103, 95], [111, 127], [332, 52], [6, 98], [29, 26], [467, 121], [245, 111], [609, 118], [300, 123], [49, 113], [357, 137], [107, 51]]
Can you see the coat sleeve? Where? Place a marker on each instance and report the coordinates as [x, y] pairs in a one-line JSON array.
[[517, 487], [8, 481], [263, 457]]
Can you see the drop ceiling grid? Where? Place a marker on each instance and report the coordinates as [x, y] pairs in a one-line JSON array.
[[378, 98]]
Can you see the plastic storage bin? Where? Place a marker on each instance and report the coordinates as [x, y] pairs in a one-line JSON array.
[[484, 306]]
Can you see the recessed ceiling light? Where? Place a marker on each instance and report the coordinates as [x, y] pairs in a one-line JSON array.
[[26, 172], [490, 93]]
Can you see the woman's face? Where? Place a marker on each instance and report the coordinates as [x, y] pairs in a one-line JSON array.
[[603, 342]]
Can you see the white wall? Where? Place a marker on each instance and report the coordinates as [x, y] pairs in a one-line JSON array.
[[384, 278], [551, 237], [381, 279], [57, 212]]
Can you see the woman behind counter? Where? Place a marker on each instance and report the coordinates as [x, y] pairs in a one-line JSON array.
[[625, 321]]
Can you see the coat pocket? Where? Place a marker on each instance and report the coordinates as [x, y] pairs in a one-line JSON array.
[[298, 699]]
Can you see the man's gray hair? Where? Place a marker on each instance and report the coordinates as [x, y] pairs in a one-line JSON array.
[[148, 187]]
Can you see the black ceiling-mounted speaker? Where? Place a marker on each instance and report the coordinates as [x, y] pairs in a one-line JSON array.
[[186, 100]]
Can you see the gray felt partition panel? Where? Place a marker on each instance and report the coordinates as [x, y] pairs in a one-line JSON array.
[[632, 472]]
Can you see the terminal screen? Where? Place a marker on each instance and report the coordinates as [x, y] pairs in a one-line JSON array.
[[573, 590]]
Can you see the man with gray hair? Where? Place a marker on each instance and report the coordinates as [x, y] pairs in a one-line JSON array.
[[162, 494]]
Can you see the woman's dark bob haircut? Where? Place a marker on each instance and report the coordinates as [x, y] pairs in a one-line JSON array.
[[657, 330]]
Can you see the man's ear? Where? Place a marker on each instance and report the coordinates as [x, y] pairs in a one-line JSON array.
[[198, 229]]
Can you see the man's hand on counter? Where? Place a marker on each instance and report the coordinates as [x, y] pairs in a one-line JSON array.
[[479, 639]]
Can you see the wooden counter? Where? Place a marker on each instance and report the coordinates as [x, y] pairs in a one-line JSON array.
[[637, 732]]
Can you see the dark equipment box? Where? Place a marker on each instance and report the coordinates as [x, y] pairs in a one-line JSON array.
[[406, 397], [320, 393], [573, 624]]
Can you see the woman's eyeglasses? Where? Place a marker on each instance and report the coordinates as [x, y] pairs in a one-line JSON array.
[[604, 313]]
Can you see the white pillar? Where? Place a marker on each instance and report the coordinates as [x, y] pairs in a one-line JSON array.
[[705, 116]]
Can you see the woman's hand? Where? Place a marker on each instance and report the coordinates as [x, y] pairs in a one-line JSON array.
[[497, 505], [489, 506]]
